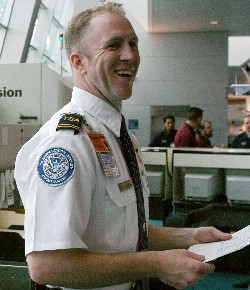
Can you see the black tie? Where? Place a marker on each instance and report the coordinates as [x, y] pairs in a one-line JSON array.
[[130, 158]]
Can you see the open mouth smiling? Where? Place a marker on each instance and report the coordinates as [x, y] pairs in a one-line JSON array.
[[124, 73]]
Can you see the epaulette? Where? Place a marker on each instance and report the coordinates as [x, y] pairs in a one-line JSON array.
[[71, 121]]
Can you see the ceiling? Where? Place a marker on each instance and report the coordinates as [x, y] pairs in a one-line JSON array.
[[166, 16], [197, 15], [173, 16]]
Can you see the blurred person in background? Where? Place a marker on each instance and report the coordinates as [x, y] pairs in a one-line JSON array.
[[185, 136], [165, 138], [205, 131], [243, 139]]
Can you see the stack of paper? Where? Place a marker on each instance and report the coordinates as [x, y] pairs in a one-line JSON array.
[[214, 250]]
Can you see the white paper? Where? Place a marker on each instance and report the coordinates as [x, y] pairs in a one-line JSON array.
[[214, 250]]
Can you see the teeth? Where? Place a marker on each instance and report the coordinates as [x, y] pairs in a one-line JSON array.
[[124, 72]]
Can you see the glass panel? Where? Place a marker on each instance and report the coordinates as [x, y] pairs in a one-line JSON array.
[[5, 12], [59, 9], [2, 36], [34, 29], [45, 60], [42, 8], [51, 39], [6, 8], [52, 55], [2, 9]]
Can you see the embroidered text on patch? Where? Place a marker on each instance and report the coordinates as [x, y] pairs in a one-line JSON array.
[[56, 166], [71, 121]]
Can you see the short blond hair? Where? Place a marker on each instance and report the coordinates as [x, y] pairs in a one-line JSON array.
[[77, 28]]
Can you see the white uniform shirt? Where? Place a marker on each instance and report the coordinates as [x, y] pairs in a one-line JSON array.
[[86, 209]]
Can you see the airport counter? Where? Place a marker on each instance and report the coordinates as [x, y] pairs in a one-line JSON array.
[[193, 187], [190, 179]]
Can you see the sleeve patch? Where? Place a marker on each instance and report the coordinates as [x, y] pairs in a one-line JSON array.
[[56, 166]]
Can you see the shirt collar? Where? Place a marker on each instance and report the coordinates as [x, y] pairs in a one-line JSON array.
[[98, 108]]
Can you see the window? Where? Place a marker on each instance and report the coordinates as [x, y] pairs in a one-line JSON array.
[[45, 45], [59, 9], [2, 9], [52, 38], [5, 13]]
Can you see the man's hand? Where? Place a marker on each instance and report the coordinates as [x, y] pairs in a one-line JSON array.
[[166, 238], [181, 268], [208, 235]]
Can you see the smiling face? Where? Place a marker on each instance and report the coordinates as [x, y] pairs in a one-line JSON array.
[[112, 60]]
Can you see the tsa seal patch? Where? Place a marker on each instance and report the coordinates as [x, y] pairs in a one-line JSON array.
[[56, 166]]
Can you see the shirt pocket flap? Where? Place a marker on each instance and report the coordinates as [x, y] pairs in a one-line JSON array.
[[124, 198]]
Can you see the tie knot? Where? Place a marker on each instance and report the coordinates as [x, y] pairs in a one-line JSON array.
[[123, 129], [123, 124]]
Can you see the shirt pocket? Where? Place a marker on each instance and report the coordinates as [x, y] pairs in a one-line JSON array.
[[121, 221]]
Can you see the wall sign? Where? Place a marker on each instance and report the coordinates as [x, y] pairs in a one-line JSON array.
[[4, 92], [133, 124]]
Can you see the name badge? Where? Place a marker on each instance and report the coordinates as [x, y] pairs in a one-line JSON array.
[[125, 185], [104, 154]]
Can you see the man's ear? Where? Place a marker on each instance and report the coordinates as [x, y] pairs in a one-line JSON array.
[[78, 62]]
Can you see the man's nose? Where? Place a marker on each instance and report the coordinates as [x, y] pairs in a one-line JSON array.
[[128, 52]]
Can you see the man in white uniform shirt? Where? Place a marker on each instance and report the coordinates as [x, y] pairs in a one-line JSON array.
[[81, 224]]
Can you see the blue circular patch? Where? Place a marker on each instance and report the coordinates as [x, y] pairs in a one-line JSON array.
[[56, 166]]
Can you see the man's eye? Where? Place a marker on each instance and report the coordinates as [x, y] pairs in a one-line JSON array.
[[134, 44], [114, 45]]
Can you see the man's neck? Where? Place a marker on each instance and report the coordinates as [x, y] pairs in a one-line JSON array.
[[191, 123], [204, 136], [248, 133]]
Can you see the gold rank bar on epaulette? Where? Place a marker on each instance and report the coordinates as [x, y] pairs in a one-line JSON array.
[[72, 121]]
